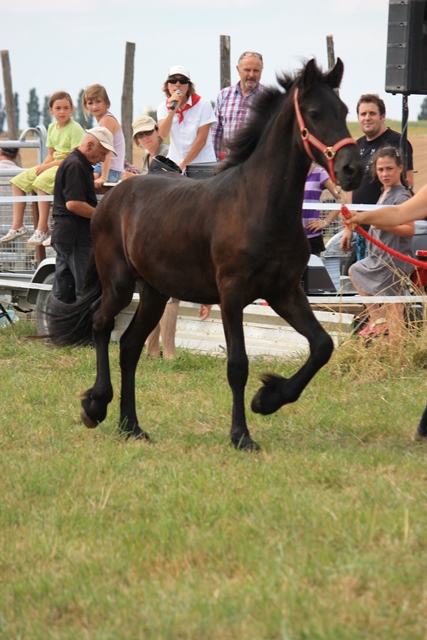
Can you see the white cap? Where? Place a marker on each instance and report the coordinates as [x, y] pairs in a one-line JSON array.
[[179, 69], [104, 136]]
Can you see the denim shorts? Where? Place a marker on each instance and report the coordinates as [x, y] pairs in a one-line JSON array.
[[113, 174]]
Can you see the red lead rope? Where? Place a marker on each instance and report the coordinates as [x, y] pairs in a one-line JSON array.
[[417, 263]]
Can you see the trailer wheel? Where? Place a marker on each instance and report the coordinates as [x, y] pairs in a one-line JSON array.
[[41, 306]]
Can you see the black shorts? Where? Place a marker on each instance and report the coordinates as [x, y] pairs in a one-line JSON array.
[[316, 244]]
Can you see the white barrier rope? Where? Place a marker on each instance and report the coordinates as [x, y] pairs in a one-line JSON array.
[[28, 199], [340, 300], [317, 206]]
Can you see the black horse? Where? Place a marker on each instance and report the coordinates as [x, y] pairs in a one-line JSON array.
[[228, 239]]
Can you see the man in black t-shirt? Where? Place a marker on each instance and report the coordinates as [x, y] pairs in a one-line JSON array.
[[74, 201], [371, 116]]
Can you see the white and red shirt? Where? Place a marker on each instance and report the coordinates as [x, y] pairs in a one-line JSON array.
[[185, 126]]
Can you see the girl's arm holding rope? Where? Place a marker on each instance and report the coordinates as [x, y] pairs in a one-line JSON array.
[[413, 209], [349, 221]]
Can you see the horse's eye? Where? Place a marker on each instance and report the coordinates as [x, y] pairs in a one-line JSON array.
[[314, 115]]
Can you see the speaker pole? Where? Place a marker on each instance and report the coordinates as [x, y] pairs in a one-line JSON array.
[[404, 134]]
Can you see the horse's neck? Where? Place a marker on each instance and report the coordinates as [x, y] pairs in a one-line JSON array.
[[282, 170]]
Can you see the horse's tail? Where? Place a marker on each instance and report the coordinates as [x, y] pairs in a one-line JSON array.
[[71, 324]]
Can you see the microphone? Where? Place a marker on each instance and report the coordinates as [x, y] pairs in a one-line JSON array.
[[174, 103]]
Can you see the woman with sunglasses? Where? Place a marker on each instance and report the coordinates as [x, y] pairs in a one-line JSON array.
[[186, 118], [145, 134]]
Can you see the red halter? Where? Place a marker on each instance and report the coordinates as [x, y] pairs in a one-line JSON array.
[[308, 138]]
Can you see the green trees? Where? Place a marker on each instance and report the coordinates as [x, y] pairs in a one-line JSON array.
[[86, 120], [33, 109], [46, 115], [17, 112], [3, 111], [423, 111]]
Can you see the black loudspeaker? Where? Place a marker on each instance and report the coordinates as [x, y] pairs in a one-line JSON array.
[[406, 66]]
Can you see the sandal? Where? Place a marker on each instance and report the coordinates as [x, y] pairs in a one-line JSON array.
[[374, 328]]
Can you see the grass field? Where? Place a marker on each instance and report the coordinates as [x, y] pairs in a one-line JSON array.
[[321, 535]]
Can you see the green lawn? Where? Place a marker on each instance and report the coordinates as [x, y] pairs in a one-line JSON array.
[[321, 535]]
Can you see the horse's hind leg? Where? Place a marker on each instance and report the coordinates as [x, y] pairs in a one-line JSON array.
[[147, 316], [277, 390]]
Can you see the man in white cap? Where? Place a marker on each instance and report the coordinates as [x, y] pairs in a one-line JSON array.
[[74, 201]]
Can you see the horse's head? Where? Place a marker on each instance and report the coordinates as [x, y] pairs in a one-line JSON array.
[[321, 124]]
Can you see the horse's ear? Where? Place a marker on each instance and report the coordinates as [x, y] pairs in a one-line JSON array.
[[310, 73], [334, 76]]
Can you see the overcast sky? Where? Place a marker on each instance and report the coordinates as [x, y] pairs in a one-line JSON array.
[[70, 45]]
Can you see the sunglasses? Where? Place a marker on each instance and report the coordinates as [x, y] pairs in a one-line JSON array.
[[141, 134], [180, 80]]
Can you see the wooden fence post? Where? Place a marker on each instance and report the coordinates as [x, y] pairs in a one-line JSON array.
[[12, 129], [331, 53], [127, 99], [331, 56], [225, 61]]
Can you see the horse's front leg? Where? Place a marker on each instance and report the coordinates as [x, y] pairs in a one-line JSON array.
[[237, 373], [95, 400], [277, 390]]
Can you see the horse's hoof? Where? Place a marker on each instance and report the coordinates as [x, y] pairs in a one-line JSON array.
[[267, 400], [136, 434], [275, 392], [88, 422], [420, 434], [246, 444], [256, 404]]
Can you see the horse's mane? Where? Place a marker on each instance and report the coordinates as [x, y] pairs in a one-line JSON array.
[[265, 105]]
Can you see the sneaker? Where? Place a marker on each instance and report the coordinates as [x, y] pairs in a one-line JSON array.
[[46, 243], [38, 237], [13, 234]]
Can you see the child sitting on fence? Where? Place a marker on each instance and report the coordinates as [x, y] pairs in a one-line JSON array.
[[97, 103], [63, 136]]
